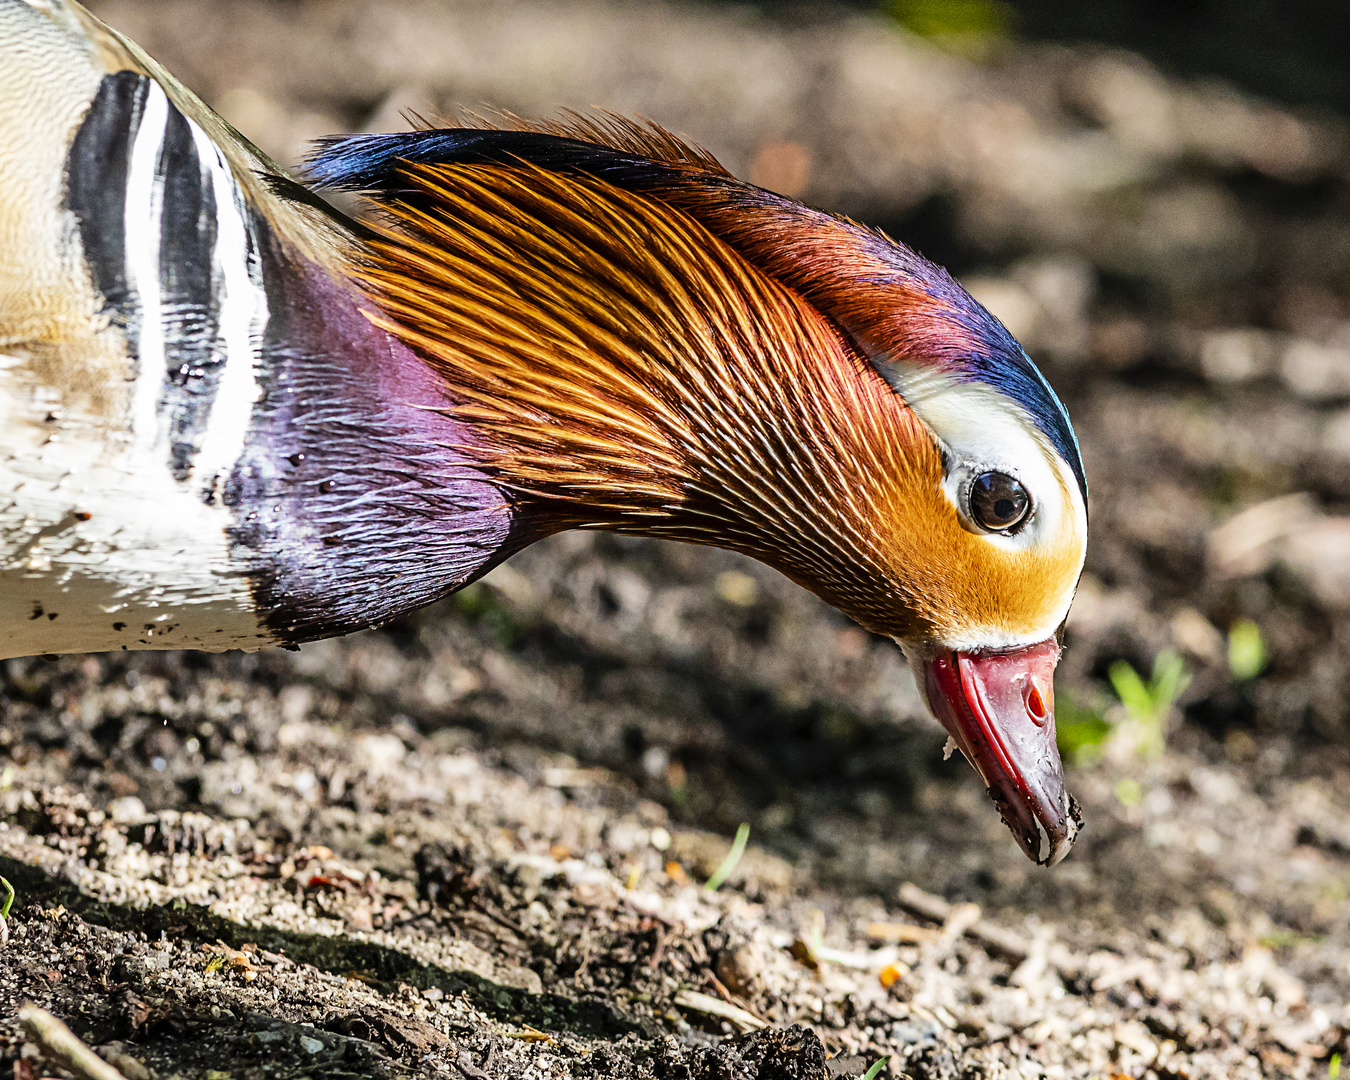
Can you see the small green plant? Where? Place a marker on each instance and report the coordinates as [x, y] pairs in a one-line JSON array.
[[1246, 650], [953, 20], [1079, 731], [4, 911], [732, 860], [1287, 939], [1334, 1067], [815, 937], [875, 1070], [480, 606], [1148, 704]]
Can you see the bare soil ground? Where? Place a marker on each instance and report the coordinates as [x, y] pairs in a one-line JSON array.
[[472, 844]]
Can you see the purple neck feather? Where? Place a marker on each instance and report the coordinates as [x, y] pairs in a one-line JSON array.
[[354, 495]]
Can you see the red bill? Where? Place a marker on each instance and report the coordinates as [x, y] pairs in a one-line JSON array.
[[1000, 711]]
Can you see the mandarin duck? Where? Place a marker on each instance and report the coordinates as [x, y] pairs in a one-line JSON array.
[[232, 416]]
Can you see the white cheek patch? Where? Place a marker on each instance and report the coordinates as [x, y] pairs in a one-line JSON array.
[[981, 429]]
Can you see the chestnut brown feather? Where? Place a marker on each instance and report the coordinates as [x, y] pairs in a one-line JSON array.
[[836, 263], [627, 370], [611, 130]]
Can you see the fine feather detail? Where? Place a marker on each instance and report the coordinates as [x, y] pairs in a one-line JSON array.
[[607, 129], [898, 309], [630, 150], [625, 369]]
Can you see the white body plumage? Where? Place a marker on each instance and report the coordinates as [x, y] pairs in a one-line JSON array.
[[98, 541]]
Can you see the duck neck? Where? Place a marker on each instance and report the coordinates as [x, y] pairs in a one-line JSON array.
[[354, 496], [790, 455], [620, 368]]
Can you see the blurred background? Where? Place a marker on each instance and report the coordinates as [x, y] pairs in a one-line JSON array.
[[1154, 197]]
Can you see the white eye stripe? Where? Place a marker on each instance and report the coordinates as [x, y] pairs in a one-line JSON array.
[[982, 430]]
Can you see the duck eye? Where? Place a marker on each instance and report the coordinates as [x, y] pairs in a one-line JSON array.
[[998, 502]]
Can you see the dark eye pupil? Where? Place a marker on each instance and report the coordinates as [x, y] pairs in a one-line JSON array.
[[998, 502]]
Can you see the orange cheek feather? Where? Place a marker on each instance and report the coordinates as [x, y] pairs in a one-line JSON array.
[[962, 584]]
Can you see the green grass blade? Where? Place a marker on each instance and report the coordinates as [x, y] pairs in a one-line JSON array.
[[732, 860], [1170, 679], [1246, 650], [1130, 688]]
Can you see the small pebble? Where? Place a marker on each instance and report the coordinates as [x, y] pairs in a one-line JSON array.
[[739, 968], [126, 810]]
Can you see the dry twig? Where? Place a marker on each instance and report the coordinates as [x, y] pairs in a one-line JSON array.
[[711, 1006], [59, 1045], [998, 939]]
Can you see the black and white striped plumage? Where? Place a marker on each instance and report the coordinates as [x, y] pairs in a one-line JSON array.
[[206, 442], [171, 244]]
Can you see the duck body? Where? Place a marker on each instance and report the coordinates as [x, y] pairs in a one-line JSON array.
[[206, 443], [231, 417]]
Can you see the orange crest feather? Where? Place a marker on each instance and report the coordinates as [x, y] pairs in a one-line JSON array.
[[626, 366]]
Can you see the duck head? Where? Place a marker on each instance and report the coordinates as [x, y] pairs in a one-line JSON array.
[[642, 343]]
